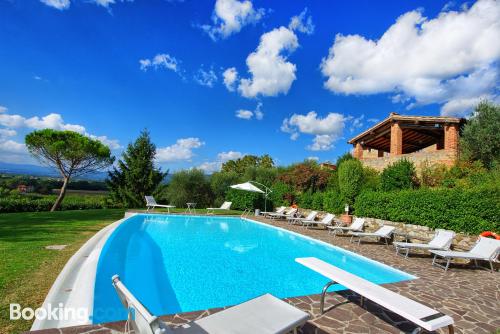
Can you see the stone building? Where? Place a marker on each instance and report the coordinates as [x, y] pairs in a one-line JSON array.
[[416, 138]]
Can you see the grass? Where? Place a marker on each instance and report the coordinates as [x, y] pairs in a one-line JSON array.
[[27, 269]]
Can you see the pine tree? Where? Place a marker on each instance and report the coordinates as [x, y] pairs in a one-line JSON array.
[[135, 175]]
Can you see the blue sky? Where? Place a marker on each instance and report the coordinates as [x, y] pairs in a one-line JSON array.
[[213, 80]]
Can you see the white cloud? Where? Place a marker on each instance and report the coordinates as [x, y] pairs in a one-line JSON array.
[[313, 158], [244, 114], [50, 121], [7, 133], [214, 166], [230, 155], [445, 60], [230, 16], [248, 114], [205, 78], [57, 4], [182, 150], [301, 23], [64, 4], [271, 73], [161, 60], [230, 77], [325, 130], [113, 144], [3, 109], [11, 146]]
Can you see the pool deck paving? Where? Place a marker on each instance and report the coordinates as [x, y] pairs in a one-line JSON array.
[[470, 295]]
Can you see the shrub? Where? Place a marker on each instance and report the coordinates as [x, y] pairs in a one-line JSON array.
[[333, 202], [399, 175], [317, 201], [470, 210], [246, 200], [432, 175], [350, 179], [282, 194], [371, 179], [305, 200], [44, 203]]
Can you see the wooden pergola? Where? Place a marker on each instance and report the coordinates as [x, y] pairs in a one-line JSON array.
[[400, 134]]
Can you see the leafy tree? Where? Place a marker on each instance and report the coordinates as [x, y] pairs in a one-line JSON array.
[[351, 177], [220, 182], [240, 165], [399, 175], [480, 138], [306, 176], [190, 186], [71, 153], [135, 175], [264, 175]]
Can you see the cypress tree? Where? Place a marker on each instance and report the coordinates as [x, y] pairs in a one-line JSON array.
[[135, 175]]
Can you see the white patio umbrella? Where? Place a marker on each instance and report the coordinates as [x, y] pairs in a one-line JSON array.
[[248, 186]]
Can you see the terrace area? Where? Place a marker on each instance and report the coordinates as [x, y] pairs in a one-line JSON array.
[[470, 296], [417, 138]]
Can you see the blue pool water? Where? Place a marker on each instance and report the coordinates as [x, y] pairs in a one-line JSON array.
[[179, 264]]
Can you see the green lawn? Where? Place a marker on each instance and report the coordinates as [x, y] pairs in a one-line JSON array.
[[27, 269]]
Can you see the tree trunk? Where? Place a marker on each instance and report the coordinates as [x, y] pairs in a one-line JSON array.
[[61, 195]]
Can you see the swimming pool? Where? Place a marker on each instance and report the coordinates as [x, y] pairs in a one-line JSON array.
[[185, 263]]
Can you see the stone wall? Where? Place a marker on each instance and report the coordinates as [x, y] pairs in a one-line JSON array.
[[416, 233], [446, 157]]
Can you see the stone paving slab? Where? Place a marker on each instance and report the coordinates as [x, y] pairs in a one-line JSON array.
[[471, 296]]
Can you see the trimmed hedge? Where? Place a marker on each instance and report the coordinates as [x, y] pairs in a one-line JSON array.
[[34, 204], [471, 210]]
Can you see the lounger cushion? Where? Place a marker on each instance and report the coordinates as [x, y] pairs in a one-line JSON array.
[[455, 254], [265, 314]]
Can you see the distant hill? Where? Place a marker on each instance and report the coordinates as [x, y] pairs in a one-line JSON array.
[[25, 169]]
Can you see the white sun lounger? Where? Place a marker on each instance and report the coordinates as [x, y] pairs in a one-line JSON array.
[[421, 315], [287, 214], [151, 204], [278, 210], [326, 221], [384, 232], [299, 220], [224, 206], [442, 241], [356, 226], [486, 249], [265, 314]]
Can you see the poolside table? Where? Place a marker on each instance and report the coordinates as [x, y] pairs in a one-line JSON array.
[[191, 208]]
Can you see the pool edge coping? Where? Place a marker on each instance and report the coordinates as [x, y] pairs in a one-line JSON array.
[[75, 283]]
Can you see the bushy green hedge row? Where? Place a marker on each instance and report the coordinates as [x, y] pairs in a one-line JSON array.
[[32, 204], [471, 210]]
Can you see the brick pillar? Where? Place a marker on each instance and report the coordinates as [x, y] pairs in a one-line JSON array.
[[451, 137], [396, 139], [358, 151]]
